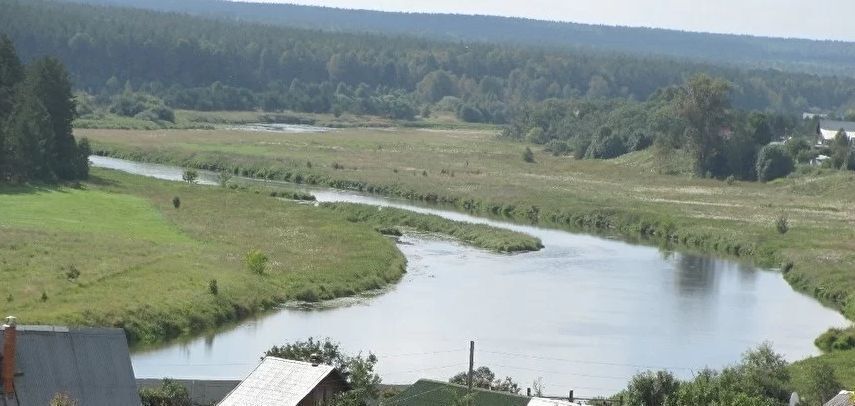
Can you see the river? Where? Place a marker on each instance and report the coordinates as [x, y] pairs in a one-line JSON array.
[[585, 313]]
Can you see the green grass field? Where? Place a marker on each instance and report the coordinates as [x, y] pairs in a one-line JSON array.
[[146, 266], [473, 170]]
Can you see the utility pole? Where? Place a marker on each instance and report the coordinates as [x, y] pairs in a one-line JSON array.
[[471, 363]]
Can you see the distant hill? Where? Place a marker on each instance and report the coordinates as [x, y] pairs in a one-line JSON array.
[[823, 57]]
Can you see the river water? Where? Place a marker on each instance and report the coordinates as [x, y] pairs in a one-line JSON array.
[[584, 313]]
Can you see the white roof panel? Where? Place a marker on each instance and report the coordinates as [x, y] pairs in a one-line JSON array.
[[277, 382]]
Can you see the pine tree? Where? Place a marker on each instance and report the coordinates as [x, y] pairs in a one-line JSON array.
[[48, 81], [29, 136], [11, 74]]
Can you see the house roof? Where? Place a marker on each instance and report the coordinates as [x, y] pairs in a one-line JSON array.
[[834, 125], [844, 398], [278, 382], [92, 366], [426, 392]]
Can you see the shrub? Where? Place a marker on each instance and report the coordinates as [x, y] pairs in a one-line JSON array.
[[528, 156], [224, 177], [176, 202], [256, 261], [213, 288], [72, 273], [606, 145], [557, 147], [44, 297], [536, 136], [391, 231], [782, 224], [190, 176], [773, 162], [170, 393], [836, 339]]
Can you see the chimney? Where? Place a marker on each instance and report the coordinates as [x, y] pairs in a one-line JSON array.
[[8, 366], [315, 358]]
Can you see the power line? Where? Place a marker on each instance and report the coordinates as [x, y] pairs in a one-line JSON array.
[[638, 366], [622, 378]]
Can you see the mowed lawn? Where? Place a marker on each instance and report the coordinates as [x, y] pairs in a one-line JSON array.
[[147, 267]]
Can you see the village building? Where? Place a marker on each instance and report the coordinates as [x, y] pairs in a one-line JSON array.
[[427, 392], [89, 366], [844, 398], [828, 129], [282, 382]]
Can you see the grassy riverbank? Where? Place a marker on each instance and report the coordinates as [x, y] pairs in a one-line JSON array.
[[473, 171], [478, 235], [145, 266]]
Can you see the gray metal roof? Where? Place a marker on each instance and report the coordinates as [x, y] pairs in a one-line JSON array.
[[834, 125], [844, 398], [277, 382], [92, 366]]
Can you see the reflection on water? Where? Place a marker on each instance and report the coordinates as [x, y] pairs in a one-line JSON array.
[[584, 313]]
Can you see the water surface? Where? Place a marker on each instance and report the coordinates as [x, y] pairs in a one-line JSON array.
[[584, 313]]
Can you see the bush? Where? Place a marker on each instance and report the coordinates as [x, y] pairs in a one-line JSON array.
[[44, 297], [470, 114], [256, 261], [773, 162], [72, 273], [190, 176], [224, 177], [170, 393], [536, 136], [213, 287], [606, 145], [730, 180], [176, 202], [782, 224], [528, 156], [836, 339], [557, 147], [390, 231]]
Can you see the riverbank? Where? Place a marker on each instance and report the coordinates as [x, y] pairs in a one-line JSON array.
[[473, 171]]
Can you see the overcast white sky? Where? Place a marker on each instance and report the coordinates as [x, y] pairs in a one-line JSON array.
[[816, 19]]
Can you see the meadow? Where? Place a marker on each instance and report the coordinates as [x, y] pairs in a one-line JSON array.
[[115, 251], [473, 170]]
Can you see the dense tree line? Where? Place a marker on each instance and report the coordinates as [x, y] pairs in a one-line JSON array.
[[198, 63], [36, 111], [761, 378], [696, 117], [790, 54]]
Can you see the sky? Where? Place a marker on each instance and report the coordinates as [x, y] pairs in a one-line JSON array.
[[814, 19]]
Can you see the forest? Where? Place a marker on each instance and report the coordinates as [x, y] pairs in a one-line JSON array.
[[36, 111], [831, 57], [206, 64]]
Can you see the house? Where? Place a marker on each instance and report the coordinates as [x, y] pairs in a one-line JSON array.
[[427, 392], [844, 398], [282, 382], [828, 129], [91, 367]]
